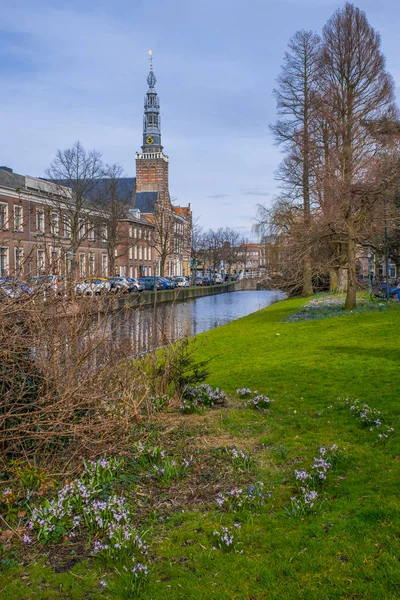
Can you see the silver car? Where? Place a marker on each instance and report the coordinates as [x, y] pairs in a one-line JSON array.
[[93, 286]]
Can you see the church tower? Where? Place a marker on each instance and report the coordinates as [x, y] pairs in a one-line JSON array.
[[152, 163]]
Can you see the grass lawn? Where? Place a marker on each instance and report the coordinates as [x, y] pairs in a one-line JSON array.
[[347, 546]]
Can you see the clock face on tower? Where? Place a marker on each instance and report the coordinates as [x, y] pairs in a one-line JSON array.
[[149, 139]]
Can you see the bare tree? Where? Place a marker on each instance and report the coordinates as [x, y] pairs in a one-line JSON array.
[[296, 103], [113, 199], [79, 171], [213, 241], [355, 90], [231, 250]]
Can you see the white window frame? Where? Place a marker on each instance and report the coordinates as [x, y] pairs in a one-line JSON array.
[[17, 208], [4, 265], [54, 223], [40, 227], [67, 226], [104, 265], [5, 224], [135, 252], [82, 264], [41, 261], [91, 234], [92, 263], [104, 232], [130, 253]]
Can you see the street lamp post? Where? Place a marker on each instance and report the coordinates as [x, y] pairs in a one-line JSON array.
[[386, 249], [370, 271], [155, 277]]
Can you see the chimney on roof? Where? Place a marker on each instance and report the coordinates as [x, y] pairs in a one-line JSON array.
[[6, 169]]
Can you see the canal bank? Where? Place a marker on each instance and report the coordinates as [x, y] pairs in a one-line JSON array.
[[177, 295]]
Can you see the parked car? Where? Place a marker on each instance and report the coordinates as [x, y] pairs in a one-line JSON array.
[[147, 282], [206, 281], [135, 284], [93, 286], [219, 278], [165, 283], [199, 280], [48, 283], [182, 282], [14, 289], [172, 282], [119, 285]]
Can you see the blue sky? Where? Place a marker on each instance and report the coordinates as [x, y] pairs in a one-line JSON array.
[[77, 70]]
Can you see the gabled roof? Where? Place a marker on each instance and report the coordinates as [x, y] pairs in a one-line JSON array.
[[145, 201]]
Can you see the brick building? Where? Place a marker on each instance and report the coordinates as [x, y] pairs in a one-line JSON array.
[[35, 233]]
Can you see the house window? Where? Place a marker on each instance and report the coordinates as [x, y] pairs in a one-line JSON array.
[[91, 263], [104, 233], [130, 231], [40, 220], [91, 232], [130, 252], [145, 253], [135, 252], [54, 260], [140, 253], [130, 271], [3, 216], [82, 264], [140, 233], [135, 233], [54, 226], [81, 231], [67, 227], [3, 262], [104, 265], [18, 216], [136, 271], [40, 262], [19, 260]]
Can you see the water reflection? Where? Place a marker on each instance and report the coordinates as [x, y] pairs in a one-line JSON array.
[[138, 331]]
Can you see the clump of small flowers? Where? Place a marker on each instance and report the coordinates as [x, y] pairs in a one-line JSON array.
[[253, 398], [306, 480], [322, 308], [244, 392], [159, 401], [226, 538], [238, 499], [259, 402], [197, 398], [130, 581], [242, 461], [369, 417]]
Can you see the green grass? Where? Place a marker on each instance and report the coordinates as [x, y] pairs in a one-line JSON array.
[[347, 548]]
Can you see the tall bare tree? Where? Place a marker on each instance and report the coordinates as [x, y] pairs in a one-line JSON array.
[[355, 90], [296, 104], [79, 170], [114, 201]]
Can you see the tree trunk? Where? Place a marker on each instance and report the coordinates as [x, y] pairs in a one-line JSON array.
[[351, 298], [333, 280], [342, 280], [307, 289]]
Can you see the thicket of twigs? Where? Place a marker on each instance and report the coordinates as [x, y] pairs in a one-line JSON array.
[[68, 388]]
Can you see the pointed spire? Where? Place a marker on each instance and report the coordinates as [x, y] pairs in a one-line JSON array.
[[151, 78]]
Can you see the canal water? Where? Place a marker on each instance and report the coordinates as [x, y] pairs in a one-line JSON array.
[[141, 330]]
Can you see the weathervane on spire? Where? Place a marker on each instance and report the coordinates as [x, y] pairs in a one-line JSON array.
[[151, 78]]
